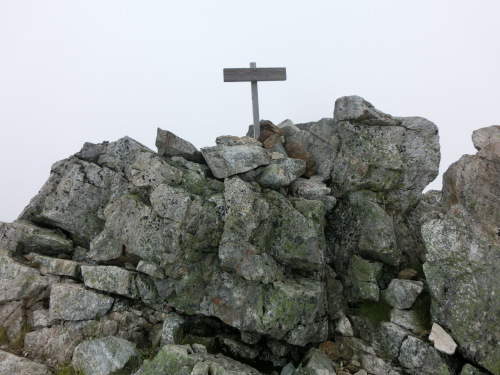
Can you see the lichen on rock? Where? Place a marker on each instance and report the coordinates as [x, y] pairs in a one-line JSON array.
[[310, 250]]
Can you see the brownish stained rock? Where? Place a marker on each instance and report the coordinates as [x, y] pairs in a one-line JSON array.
[[270, 134], [297, 151], [330, 349]]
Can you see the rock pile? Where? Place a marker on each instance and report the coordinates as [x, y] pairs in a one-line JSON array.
[[308, 251]]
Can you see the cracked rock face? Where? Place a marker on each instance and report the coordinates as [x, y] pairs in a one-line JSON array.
[[299, 253], [463, 250]]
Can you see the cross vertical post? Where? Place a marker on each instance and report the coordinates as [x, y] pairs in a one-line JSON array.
[[253, 75], [255, 105]]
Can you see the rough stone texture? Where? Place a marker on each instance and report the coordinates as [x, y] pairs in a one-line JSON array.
[[172, 330], [149, 170], [184, 360], [118, 156], [252, 241], [356, 109], [291, 311], [270, 134], [11, 321], [471, 370], [169, 144], [173, 221], [55, 266], [103, 356], [313, 189], [344, 326], [41, 319], [315, 363], [355, 349], [74, 302], [317, 146], [408, 319], [288, 128], [402, 294], [73, 197], [281, 172], [381, 153], [442, 340], [237, 349], [294, 149], [264, 265], [361, 283], [330, 349], [473, 182], [482, 138], [12, 364], [361, 226], [19, 282], [389, 339], [53, 345], [150, 269], [462, 257], [22, 237], [420, 358], [110, 279], [336, 302], [227, 159]]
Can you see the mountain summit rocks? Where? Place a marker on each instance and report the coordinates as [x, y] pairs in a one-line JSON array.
[[253, 256]]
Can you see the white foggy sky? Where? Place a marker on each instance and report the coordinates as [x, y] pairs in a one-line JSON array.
[[94, 70]]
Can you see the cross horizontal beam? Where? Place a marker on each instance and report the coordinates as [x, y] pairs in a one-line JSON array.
[[254, 74]]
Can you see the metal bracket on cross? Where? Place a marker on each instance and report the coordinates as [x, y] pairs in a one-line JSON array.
[[254, 74]]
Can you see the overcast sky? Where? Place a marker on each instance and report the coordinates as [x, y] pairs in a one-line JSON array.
[[93, 70]]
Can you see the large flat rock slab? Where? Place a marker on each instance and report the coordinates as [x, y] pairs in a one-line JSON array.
[[103, 356], [11, 364], [235, 155], [74, 302], [169, 144]]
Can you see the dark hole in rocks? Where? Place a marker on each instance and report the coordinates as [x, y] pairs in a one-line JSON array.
[[209, 331]]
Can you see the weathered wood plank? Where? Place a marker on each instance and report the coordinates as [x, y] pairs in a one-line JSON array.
[[257, 74], [255, 105]]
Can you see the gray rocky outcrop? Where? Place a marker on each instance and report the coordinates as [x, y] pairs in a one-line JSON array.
[[19, 282], [169, 144], [186, 359], [110, 279], [463, 249], [73, 302], [281, 172], [311, 250], [103, 356], [402, 294], [55, 266], [12, 364], [22, 237], [420, 358], [315, 363], [234, 155]]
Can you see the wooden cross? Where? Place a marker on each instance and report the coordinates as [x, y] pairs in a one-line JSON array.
[[253, 75]]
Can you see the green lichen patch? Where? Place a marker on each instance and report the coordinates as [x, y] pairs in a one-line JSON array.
[[422, 308], [17, 345], [68, 369], [4, 337], [374, 312]]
